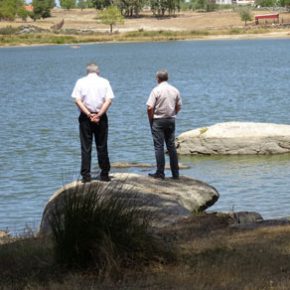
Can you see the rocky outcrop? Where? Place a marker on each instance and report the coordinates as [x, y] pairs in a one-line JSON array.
[[168, 200], [236, 138]]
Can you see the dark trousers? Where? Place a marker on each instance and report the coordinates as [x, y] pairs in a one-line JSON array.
[[163, 130], [98, 131]]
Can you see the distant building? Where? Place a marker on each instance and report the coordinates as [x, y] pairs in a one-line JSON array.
[[223, 2], [243, 2], [28, 8]]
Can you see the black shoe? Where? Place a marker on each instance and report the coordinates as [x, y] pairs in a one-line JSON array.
[[156, 175], [175, 177], [86, 179], [105, 178]]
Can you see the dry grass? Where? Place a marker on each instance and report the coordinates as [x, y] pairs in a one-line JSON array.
[[215, 23], [210, 255]]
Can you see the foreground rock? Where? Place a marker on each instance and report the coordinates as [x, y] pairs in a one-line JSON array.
[[169, 200], [236, 138]]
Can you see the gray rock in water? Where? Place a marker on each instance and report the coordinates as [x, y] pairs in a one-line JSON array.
[[236, 138], [168, 200]]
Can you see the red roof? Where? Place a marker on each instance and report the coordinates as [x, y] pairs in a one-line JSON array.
[[267, 16], [28, 8]]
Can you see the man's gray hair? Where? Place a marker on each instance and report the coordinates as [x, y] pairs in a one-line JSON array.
[[162, 75], [92, 68]]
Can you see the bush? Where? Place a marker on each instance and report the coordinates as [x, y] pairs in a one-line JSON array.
[[102, 233], [8, 30]]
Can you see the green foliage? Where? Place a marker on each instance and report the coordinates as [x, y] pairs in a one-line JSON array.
[[82, 4], [130, 8], [111, 16], [204, 5], [160, 7], [284, 3], [246, 15], [67, 4], [105, 234], [101, 4], [8, 30], [41, 8], [266, 3], [9, 9]]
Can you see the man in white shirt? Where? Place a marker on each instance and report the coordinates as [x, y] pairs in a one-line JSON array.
[[163, 105], [93, 95]]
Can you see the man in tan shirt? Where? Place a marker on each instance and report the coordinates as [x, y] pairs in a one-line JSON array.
[[163, 105]]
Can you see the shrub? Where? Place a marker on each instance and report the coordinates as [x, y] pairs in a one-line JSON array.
[[103, 233], [8, 30]]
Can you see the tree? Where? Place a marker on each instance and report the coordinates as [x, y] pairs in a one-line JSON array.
[[41, 8], [9, 9], [101, 4], [130, 8], [246, 15], [82, 4], [67, 4], [160, 7], [266, 3], [111, 16]]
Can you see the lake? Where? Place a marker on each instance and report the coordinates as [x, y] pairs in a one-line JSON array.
[[241, 80]]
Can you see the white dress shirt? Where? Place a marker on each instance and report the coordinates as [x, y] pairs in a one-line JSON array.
[[93, 91]]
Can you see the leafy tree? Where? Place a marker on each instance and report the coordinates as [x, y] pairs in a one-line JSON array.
[[67, 4], [22, 13], [9, 9], [101, 4], [130, 8], [82, 4], [41, 8], [160, 7], [266, 3], [246, 15], [111, 16]]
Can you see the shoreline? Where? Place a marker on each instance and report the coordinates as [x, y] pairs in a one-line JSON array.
[[123, 37]]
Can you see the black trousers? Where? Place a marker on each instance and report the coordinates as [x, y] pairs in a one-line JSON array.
[[163, 130], [98, 131]]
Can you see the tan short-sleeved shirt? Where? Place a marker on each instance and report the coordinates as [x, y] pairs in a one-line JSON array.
[[163, 99]]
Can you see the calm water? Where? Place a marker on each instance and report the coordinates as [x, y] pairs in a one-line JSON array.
[[220, 81]]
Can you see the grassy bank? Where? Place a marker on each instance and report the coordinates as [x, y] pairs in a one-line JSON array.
[[208, 255], [133, 36]]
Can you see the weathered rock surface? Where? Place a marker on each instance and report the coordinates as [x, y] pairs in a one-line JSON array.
[[169, 200], [143, 165], [236, 138]]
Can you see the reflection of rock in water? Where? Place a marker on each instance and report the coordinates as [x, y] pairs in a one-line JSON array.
[[142, 165]]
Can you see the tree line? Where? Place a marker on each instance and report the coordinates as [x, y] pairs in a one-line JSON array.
[[10, 9]]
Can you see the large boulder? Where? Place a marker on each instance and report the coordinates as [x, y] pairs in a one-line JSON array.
[[235, 138], [169, 200]]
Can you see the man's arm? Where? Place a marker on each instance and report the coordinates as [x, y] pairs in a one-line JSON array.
[[82, 107], [104, 107], [150, 113], [177, 108]]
